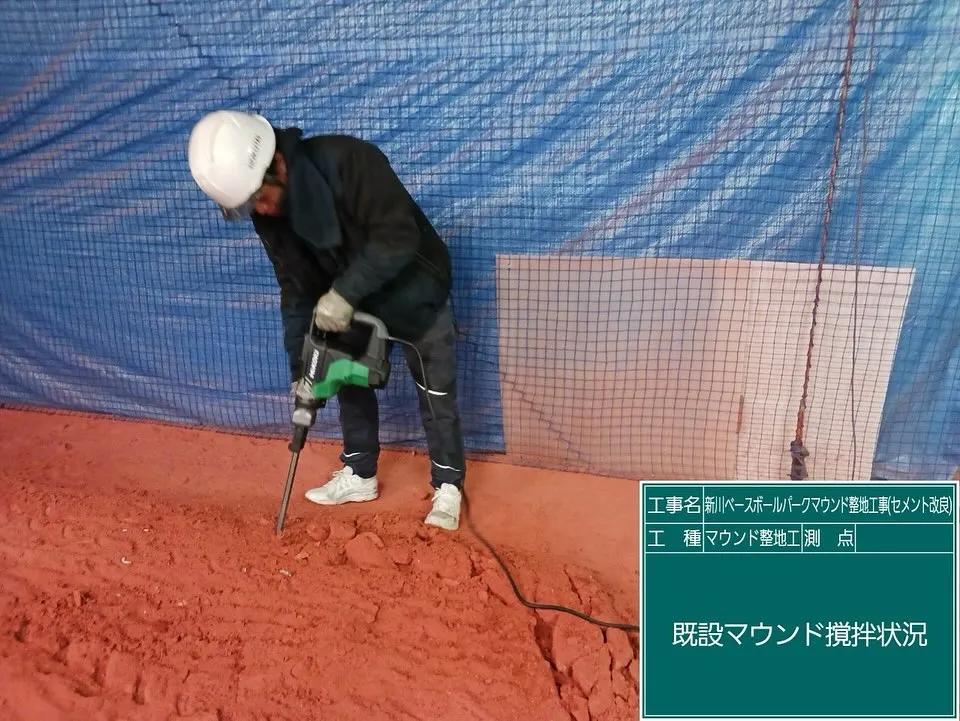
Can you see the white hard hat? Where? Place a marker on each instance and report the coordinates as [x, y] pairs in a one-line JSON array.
[[229, 154]]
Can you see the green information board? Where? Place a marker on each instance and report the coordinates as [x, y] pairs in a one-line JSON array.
[[787, 600]]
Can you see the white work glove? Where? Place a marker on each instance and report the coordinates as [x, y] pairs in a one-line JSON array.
[[300, 388], [332, 312]]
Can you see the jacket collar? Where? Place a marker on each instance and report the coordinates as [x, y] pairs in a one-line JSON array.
[[313, 184]]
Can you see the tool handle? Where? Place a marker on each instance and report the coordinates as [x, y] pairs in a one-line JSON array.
[[375, 356], [377, 345], [379, 327]]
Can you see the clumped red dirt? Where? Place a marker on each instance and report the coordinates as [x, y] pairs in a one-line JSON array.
[[133, 586]]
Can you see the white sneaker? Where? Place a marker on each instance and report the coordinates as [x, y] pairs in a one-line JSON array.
[[446, 508], [345, 487]]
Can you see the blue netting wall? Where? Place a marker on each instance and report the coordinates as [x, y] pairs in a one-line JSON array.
[[799, 132]]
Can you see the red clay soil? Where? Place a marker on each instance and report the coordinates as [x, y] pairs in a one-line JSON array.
[[141, 578]]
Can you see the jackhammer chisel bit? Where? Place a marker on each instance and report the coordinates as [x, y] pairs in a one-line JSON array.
[[304, 415]]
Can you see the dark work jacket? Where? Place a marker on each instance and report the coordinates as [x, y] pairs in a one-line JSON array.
[[350, 224]]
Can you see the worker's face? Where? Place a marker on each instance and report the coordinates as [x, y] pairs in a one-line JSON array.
[[270, 196]]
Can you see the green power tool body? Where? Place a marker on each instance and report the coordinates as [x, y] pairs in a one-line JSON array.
[[330, 361]]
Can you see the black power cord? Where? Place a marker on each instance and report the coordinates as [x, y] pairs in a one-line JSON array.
[[516, 590], [489, 546]]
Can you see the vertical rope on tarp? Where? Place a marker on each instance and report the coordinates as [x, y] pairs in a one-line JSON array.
[[798, 451], [856, 249]]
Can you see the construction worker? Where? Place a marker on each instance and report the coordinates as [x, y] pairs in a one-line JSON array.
[[343, 234]]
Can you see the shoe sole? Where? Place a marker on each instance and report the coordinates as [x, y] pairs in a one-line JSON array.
[[440, 524], [350, 498]]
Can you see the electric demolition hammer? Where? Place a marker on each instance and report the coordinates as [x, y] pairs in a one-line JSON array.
[[329, 362]]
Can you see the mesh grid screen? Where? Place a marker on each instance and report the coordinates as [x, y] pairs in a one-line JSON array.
[[645, 202]]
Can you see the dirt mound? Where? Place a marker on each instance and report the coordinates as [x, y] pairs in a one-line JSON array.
[[119, 603]]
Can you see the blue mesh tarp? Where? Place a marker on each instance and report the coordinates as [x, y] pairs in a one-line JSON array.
[[682, 129]]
